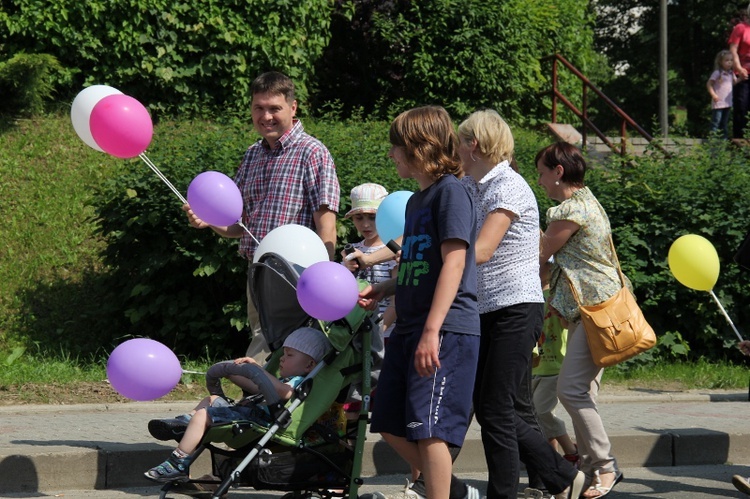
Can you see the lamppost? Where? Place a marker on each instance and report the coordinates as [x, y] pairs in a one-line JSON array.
[[663, 73]]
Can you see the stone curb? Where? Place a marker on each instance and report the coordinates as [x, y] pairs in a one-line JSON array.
[[50, 462]]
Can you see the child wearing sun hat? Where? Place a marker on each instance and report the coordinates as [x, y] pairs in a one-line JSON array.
[[366, 199]]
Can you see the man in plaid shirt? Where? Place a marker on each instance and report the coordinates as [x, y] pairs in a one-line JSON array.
[[287, 177]]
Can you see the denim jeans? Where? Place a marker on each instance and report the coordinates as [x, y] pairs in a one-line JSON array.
[[508, 336], [720, 121]]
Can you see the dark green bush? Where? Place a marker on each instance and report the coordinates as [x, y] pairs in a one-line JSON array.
[[169, 281], [27, 82], [653, 202], [392, 55], [158, 277]]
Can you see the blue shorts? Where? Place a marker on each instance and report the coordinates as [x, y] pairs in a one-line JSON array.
[[438, 406], [250, 412]]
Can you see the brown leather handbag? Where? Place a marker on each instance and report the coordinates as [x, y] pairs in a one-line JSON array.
[[616, 329]]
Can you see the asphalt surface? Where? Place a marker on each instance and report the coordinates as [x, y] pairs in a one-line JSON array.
[[669, 444]]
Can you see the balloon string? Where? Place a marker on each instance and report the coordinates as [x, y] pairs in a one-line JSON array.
[[191, 372], [177, 193], [726, 315], [161, 176], [239, 222]]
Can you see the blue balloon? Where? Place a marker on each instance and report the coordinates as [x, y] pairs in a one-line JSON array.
[[391, 216]]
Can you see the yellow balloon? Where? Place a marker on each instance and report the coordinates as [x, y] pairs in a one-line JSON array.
[[694, 262]]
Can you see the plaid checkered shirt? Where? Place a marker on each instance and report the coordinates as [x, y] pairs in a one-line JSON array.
[[285, 185]]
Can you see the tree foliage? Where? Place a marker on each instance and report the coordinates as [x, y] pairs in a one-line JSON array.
[[474, 53], [628, 32], [172, 54]]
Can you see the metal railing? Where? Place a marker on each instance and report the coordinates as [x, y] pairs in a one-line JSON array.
[[626, 120]]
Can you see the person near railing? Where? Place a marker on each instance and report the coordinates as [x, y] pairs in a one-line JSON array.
[[719, 86], [739, 46]]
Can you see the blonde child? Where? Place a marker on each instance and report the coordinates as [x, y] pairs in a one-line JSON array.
[[719, 86], [365, 201]]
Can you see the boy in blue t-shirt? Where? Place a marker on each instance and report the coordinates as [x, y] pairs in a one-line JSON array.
[[427, 379]]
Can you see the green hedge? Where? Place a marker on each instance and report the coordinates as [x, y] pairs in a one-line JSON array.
[[172, 54], [97, 249]]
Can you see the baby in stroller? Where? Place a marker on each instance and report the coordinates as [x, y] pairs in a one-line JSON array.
[[302, 350]]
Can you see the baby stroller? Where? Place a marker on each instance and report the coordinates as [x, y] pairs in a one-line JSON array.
[[308, 449]]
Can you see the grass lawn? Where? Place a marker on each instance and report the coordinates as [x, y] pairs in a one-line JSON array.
[[33, 381]]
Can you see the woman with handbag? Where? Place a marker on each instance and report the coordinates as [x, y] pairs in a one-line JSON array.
[[578, 239]]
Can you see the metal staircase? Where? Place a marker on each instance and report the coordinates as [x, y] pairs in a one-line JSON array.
[[600, 143]]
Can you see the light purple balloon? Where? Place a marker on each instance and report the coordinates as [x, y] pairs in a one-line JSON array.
[[143, 369], [215, 198], [327, 291]]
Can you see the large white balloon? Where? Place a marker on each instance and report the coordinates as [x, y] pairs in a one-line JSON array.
[[80, 111], [296, 243]]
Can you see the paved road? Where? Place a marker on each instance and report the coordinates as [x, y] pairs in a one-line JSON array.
[[685, 439], [674, 482]]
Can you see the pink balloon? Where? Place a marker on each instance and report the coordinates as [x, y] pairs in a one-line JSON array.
[[327, 291], [143, 369], [215, 198], [121, 126]]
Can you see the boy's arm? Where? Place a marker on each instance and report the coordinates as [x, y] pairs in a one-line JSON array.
[[283, 390], [426, 358]]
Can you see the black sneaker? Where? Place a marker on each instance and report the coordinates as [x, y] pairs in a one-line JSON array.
[[167, 429]]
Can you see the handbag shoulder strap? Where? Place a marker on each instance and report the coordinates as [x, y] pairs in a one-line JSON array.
[[617, 264]]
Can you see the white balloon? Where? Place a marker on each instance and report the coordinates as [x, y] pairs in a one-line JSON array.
[[80, 111], [295, 243]]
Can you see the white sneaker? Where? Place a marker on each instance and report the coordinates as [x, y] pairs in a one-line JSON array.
[[410, 493], [471, 492], [529, 493]]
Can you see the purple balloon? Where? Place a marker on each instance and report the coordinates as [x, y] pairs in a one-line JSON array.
[[143, 369], [215, 198], [327, 291]]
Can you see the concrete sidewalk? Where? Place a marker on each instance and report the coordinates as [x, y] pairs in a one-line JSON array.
[[86, 447]]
